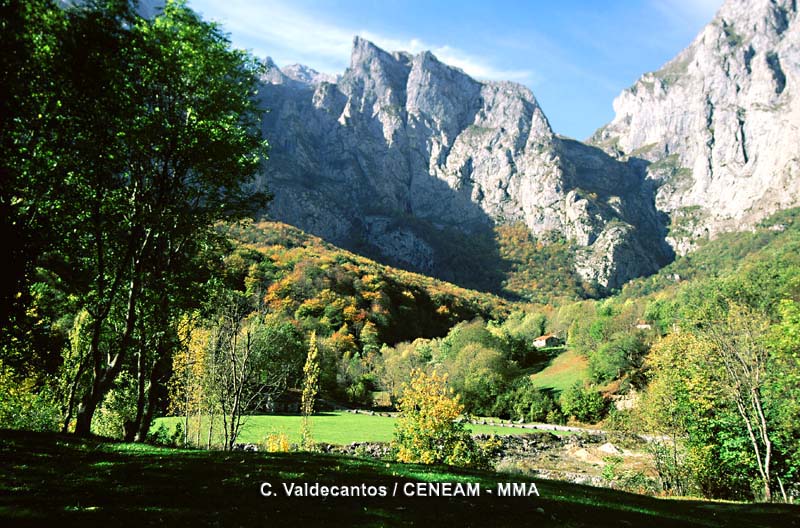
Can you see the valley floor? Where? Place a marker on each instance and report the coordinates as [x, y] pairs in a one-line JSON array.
[[50, 479]]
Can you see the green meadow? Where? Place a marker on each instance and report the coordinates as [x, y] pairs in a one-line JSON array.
[[337, 428], [562, 371]]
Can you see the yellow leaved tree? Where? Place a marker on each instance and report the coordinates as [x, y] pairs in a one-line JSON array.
[[429, 429], [310, 390]]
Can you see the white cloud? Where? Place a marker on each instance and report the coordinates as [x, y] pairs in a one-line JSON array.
[[263, 26], [693, 12], [477, 67], [292, 35]]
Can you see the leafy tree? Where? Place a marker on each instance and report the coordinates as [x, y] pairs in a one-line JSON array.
[[466, 333], [400, 361], [164, 129], [741, 358], [428, 429], [622, 353], [783, 389], [479, 374], [310, 389], [583, 403], [128, 139], [666, 412], [31, 178], [518, 332], [699, 445], [370, 340]]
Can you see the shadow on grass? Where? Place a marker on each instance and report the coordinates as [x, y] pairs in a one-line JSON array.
[[538, 360], [50, 478]]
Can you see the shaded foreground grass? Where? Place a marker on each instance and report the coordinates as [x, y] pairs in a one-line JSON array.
[[50, 479], [338, 428]]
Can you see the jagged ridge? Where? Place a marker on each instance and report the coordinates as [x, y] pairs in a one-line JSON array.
[[404, 150]]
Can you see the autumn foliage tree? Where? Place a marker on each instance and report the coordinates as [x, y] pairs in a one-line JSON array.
[[428, 429], [310, 390], [189, 391]]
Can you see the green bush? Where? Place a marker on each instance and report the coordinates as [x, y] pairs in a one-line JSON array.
[[555, 417], [160, 436], [118, 407], [583, 403], [527, 403], [617, 357], [23, 405]]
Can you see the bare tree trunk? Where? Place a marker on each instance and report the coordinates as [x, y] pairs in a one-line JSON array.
[[156, 375], [210, 428], [132, 428], [73, 391], [756, 449], [199, 426], [186, 414], [764, 431]]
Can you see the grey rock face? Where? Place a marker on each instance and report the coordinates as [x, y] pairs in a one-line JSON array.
[[402, 150], [720, 123]]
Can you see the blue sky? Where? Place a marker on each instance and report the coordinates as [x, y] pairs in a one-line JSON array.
[[575, 55]]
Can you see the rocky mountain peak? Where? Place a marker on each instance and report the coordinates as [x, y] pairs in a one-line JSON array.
[[406, 153], [272, 73], [718, 123], [306, 75], [364, 54], [758, 21]]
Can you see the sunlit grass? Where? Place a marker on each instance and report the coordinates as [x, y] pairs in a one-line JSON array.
[[562, 372], [338, 428]]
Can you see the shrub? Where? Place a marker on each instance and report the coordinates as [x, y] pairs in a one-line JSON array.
[[429, 429], [555, 417], [118, 407], [583, 403], [160, 436], [23, 405], [276, 443], [526, 402]]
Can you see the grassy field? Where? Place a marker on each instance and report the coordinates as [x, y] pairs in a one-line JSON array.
[[562, 371], [58, 480], [338, 428]]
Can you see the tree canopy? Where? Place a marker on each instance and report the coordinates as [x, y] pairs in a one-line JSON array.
[[131, 138]]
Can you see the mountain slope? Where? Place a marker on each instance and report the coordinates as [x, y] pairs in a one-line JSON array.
[[328, 289], [773, 237], [720, 123], [401, 155], [404, 151]]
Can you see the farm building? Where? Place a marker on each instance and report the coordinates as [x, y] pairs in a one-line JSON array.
[[547, 340]]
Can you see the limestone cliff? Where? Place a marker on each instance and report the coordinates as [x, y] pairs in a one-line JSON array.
[[720, 123], [402, 151]]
